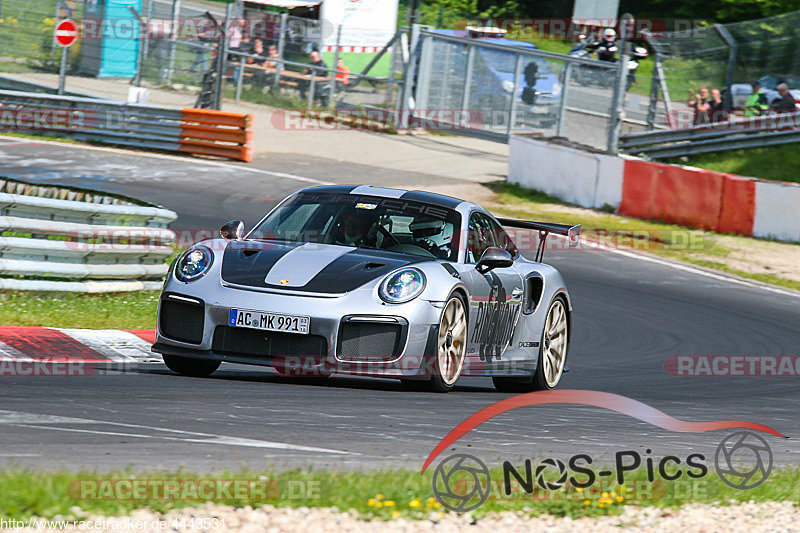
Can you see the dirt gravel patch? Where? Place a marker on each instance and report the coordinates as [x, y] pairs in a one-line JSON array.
[[743, 517]]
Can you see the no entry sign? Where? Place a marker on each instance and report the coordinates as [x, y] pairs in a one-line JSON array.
[[66, 32]]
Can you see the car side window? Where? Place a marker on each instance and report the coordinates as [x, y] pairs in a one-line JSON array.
[[481, 236], [501, 238]]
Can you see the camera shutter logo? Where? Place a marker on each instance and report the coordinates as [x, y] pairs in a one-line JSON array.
[[461, 483], [544, 481], [743, 460]]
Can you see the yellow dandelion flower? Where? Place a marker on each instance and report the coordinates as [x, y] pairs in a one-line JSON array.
[[379, 504], [605, 495], [389, 503], [431, 500], [379, 496], [371, 502], [395, 514], [600, 505], [414, 503], [587, 502], [579, 489], [620, 498]]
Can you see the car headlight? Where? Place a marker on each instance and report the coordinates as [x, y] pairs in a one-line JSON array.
[[508, 86], [193, 263], [402, 285]]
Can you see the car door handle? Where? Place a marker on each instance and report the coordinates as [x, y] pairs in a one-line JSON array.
[[517, 293]]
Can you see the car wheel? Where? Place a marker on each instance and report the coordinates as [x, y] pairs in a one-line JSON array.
[[187, 366], [553, 351], [451, 346]]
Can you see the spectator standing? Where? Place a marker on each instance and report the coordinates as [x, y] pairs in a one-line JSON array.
[[756, 103], [320, 70], [342, 75], [201, 45], [699, 102], [718, 110], [786, 102]]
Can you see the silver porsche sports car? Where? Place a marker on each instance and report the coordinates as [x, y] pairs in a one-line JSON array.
[[371, 281]]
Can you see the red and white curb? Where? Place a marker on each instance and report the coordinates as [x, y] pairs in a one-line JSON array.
[[97, 346]]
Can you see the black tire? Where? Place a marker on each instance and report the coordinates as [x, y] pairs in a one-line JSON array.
[[187, 366], [537, 381]]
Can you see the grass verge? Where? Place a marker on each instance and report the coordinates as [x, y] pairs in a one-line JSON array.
[[770, 163], [764, 261], [382, 494], [128, 310]]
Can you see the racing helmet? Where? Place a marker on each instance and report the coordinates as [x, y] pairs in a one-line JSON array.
[[610, 34]]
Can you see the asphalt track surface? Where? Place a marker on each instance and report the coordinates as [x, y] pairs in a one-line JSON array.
[[630, 316]]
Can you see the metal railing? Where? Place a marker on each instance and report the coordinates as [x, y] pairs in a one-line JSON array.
[[89, 119], [752, 132], [571, 97], [325, 91], [56, 238]]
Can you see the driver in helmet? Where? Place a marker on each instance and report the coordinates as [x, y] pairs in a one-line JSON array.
[[607, 46], [354, 230]]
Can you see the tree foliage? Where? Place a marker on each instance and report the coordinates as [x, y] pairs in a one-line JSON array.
[[707, 10]]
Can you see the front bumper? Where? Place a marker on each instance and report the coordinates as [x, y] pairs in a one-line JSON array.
[[354, 333]]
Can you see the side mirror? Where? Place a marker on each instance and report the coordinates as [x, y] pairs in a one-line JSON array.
[[492, 258], [232, 230]]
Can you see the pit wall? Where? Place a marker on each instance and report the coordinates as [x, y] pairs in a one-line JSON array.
[[687, 196]]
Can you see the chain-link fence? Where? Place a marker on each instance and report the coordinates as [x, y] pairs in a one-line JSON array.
[[502, 89], [724, 55]]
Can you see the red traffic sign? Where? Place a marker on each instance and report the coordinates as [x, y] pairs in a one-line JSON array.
[[66, 32]]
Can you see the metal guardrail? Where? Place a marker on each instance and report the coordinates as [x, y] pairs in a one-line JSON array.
[[54, 238], [752, 132], [10, 83], [88, 119], [198, 131]]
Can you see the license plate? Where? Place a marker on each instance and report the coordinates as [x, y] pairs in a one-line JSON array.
[[242, 318]]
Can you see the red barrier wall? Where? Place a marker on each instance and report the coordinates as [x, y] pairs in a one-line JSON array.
[[738, 205], [690, 197]]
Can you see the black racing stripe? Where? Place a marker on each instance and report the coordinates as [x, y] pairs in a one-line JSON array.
[[352, 270], [248, 262], [432, 198]]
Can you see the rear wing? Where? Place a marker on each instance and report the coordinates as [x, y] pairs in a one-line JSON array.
[[572, 233]]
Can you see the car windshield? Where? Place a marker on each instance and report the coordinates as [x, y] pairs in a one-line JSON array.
[[370, 222], [505, 61]]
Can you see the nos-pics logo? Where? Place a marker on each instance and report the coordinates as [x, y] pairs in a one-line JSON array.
[[462, 482]]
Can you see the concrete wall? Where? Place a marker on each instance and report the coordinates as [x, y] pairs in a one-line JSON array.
[[682, 195]]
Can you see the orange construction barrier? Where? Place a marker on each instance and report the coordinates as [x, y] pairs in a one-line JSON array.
[[217, 133]]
